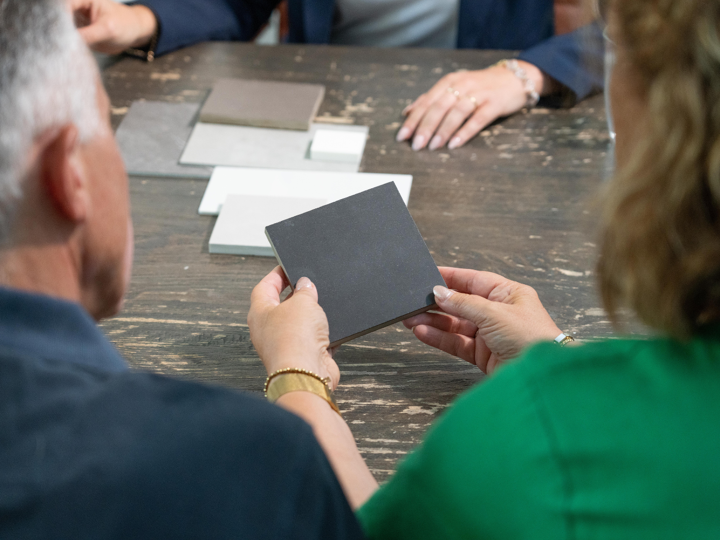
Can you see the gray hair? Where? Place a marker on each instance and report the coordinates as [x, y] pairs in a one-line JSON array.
[[47, 80]]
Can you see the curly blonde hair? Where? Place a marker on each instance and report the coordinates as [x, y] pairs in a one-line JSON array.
[[660, 226]]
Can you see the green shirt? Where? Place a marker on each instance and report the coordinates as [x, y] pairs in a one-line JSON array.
[[613, 440]]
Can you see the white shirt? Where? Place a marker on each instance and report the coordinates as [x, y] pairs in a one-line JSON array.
[[396, 23]]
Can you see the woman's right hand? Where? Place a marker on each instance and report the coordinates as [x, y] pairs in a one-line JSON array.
[[486, 319]]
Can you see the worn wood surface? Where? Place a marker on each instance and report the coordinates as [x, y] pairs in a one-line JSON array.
[[516, 201]]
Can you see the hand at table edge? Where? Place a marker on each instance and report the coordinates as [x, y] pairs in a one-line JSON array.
[[461, 104]]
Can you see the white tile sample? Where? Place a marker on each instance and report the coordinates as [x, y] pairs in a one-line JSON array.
[[333, 145], [241, 146], [329, 186], [152, 136], [240, 227]]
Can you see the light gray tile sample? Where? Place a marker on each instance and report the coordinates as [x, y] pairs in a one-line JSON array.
[[330, 186], [240, 227], [238, 146], [152, 137]]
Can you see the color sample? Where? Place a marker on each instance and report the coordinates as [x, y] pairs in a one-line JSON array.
[[366, 257]]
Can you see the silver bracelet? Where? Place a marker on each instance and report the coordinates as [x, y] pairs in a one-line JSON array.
[[529, 86]]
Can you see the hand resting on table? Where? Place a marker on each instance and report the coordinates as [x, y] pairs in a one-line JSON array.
[[463, 103], [485, 320]]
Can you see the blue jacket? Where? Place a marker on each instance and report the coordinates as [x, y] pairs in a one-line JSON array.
[[575, 60]]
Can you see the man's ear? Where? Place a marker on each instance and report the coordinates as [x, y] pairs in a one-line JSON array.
[[62, 174]]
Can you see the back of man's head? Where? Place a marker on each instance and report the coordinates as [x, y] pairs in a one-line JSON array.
[[65, 226], [47, 80]]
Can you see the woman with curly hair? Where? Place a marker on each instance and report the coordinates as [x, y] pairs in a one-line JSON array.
[[615, 439]]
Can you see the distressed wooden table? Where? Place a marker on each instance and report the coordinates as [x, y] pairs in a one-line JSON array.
[[515, 201]]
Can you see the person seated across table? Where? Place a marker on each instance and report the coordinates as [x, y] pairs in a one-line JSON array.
[[89, 448], [614, 439], [458, 107]]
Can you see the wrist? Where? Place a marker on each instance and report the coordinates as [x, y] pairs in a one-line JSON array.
[[307, 405], [294, 380], [535, 75], [146, 25], [313, 365]]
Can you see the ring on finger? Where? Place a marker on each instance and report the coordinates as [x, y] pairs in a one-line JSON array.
[[473, 100], [454, 92]]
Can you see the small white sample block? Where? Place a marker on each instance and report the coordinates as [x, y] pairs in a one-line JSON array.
[[344, 146], [240, 227]]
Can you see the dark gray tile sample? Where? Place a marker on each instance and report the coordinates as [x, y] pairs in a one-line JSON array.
[[268, 104], [366, 257], [152, 137]]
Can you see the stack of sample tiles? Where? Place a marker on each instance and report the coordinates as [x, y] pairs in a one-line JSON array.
[[257, 142], [248, 200]]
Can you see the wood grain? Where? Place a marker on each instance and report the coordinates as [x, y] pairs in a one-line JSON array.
[[516, 200]]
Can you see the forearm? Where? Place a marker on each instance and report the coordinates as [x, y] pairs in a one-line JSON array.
[[184, 23], [336, 439]]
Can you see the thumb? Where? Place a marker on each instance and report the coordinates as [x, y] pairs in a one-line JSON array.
[[306, 288], [468, 306]]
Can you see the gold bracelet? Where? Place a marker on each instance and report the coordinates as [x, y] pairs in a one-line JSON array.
[[289, 380]]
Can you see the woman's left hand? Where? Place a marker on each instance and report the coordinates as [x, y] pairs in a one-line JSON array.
[[461, 104]]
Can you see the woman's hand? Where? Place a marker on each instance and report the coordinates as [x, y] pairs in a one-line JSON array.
[[110, 27], [487, 319], [293, 333], [461, 104]]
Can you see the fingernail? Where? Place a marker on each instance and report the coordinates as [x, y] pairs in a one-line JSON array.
[[303, 283], [436, 142], [452, 145], [442, 293], [418, 142], [403, 134]]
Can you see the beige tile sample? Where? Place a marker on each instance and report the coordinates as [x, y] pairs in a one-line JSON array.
[[269, 104]]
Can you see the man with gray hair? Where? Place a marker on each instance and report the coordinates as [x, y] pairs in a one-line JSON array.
[[88, 448]]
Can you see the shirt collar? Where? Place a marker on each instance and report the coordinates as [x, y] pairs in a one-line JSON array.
[[45, 327]]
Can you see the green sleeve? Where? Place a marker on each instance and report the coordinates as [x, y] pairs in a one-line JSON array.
[[487, 469]]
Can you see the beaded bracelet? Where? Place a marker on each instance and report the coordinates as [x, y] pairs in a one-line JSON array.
[[530, 91]]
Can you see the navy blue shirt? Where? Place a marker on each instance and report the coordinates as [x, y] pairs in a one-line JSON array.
[[575, 60], [90, 449]]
